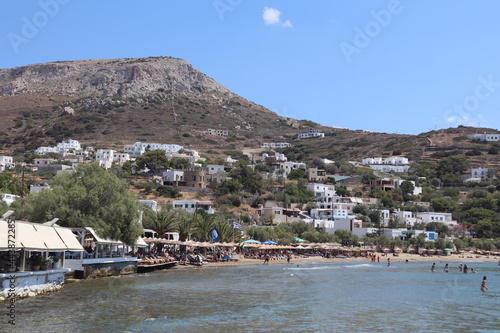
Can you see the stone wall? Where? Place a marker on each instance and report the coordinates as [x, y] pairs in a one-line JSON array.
[[95, 268], [31, 283]]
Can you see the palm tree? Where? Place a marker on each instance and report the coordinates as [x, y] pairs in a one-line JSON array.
[[224, 230], [161, 222], [184, 226], [203, 227]]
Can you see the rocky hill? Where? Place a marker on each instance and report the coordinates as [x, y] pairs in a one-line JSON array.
[[113, 102]]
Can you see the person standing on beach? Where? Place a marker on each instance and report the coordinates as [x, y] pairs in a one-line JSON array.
[[483, 284], [378, 258], [266, 258], [433, 266]]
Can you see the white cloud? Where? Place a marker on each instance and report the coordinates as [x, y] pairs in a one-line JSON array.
[[273, 16], [288, 24]]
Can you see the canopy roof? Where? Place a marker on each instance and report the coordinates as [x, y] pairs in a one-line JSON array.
[[100, 240], [37, 237]]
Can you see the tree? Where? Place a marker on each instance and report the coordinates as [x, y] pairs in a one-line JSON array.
[[450, 168], [11, 184], [297, 174], [204, 223], [184, 226], [407, 188], [162, 221], [153, 160], [440, 204], [88, 197]]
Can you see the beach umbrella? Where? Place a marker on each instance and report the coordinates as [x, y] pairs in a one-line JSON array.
[[269, 242], [251, 241]]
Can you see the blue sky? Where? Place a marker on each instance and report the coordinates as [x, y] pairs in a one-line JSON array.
[[390, 66]]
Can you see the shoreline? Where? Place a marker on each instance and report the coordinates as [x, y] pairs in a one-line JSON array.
[[317, 259]]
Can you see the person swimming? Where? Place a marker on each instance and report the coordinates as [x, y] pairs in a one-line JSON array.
[[446, 268]]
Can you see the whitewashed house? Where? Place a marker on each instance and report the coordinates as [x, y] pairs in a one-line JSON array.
[[6, 162], [139, 148], [173, 177], [321, 190], [153, 204], [213, 169], [8, 198], [312, 133], [486, 137], [191, 206], [428, 217]]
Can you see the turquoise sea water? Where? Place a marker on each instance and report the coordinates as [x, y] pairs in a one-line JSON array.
[[318, 297]]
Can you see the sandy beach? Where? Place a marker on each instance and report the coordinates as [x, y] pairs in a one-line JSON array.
[[403, 257]]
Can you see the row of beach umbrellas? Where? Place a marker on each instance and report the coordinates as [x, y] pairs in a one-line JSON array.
[[150, 240]]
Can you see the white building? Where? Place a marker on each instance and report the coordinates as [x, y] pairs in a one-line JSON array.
[[390, 168], [8, 198], [62, 148], [290, 166], [191, 206], [416, 189], [213, 169], [6, 162], [372, 160], [486, 137], [121, 157], [105, 158], [150, 203], [275, 145], [139, 148], [69, 145], [173, 176], [322, 190], [312, 133], [481, 173], [38, 188], [428, 217]]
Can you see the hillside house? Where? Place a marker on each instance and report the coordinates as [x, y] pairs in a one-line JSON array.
[[6, 162], [312, 133], [315, 175], [139, 148], [485, 137], [191, 206], [322, 190], [173, 178], [275, 145]]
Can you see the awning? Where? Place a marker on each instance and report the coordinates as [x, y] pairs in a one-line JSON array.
[[50, 237], [27, 237], [69, 238], [38, 237], [4, 236], [140, 242], [100, 240]]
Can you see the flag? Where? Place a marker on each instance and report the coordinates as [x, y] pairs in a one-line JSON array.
[[215, 235], [236, 225]]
